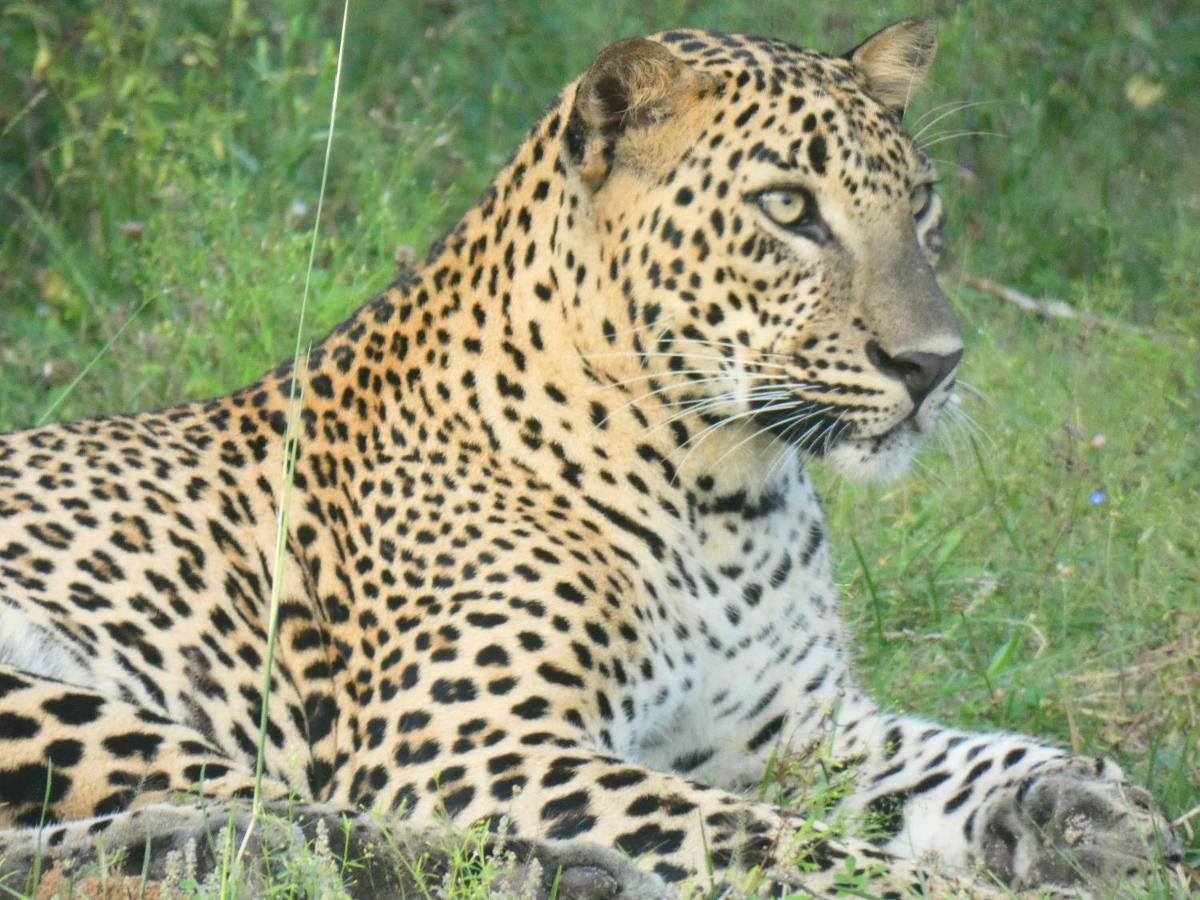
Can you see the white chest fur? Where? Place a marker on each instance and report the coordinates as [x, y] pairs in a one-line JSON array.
[[747, 644]]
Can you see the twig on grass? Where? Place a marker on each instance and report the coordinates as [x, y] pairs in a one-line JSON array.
[[1186, 817], [1044, 306]]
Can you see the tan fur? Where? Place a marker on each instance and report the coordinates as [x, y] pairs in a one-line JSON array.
[[897, 59]]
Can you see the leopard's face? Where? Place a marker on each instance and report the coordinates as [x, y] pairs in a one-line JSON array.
[[772, 234]]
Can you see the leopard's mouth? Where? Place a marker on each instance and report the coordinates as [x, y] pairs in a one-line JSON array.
[[906, 429], [886, 454], [807, 425], [823, 430]]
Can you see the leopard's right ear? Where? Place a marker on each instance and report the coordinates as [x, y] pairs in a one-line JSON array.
[[633, 84]]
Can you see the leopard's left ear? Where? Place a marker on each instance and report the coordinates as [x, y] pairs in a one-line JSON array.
[[896, 60]]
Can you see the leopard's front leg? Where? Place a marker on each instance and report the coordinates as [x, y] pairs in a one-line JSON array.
[[697, 839], [1028, 813]]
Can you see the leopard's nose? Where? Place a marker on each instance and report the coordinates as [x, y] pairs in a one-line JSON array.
[[920, 372]]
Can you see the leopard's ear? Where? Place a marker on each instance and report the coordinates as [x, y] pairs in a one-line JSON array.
[[896, 60], [633, 84]]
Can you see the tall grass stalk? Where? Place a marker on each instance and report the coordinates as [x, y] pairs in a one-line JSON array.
[[295, 405]]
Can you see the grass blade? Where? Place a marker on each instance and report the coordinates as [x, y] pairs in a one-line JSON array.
[[291, 444]]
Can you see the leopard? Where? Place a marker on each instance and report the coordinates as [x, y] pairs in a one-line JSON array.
[[529, 543]]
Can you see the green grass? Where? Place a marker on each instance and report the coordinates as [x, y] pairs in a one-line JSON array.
[[159, 168]]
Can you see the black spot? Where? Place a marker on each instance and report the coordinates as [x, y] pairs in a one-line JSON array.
[[376, 728], [555, 675], [575, 802], [571, 826], [669, 872], [893, 743], [453, 690], [405, 800], [75, 709], [410, 676], [501, 686], [505, 761], [621, 778], [887, 815], [957, 800], [693, 759], [765, 733], [570, 593], [10, 683], [817, 154], [598, 414], [14, 727], [114, 803], [321, 712], [492, 655], [322, 386], [133, 743], [533, 708], [64, 752], [507, 788], [1012, 757], [413, 721], [198, 773], [976, 770], [815, 536], [457, 801], [645, 805], [929, 782], [530, 641], [406, 755], [650, 838], [652, 540], [27, 784]]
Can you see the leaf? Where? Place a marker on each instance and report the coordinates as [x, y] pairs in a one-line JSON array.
[[947, 548], [1004, 656], [243, 156], [1142, 93], [41, 60]]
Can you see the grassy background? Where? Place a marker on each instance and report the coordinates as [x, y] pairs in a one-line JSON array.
[[159, 165]]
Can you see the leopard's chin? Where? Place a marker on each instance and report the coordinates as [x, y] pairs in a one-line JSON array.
[[882, 457], [889, 454]]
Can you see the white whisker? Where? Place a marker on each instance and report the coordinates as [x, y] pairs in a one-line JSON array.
[[960, 134], [972, 390], [956, 108], [647, 395]]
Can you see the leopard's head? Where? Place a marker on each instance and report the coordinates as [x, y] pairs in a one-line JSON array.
[[766, 232]]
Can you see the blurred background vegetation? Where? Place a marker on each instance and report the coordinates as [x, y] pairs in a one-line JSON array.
[[159, 168]]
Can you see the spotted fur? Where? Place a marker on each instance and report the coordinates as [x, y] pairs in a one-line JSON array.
[[552, 554]]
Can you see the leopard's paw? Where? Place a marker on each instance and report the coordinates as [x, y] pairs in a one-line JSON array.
[[1078, 822]]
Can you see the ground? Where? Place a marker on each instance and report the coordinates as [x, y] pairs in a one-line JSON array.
[[161, 164]]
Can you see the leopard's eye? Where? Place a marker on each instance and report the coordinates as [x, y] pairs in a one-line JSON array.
[[922, 196], [788, 208]]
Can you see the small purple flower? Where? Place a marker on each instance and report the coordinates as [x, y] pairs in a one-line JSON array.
[[1095, 498]]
